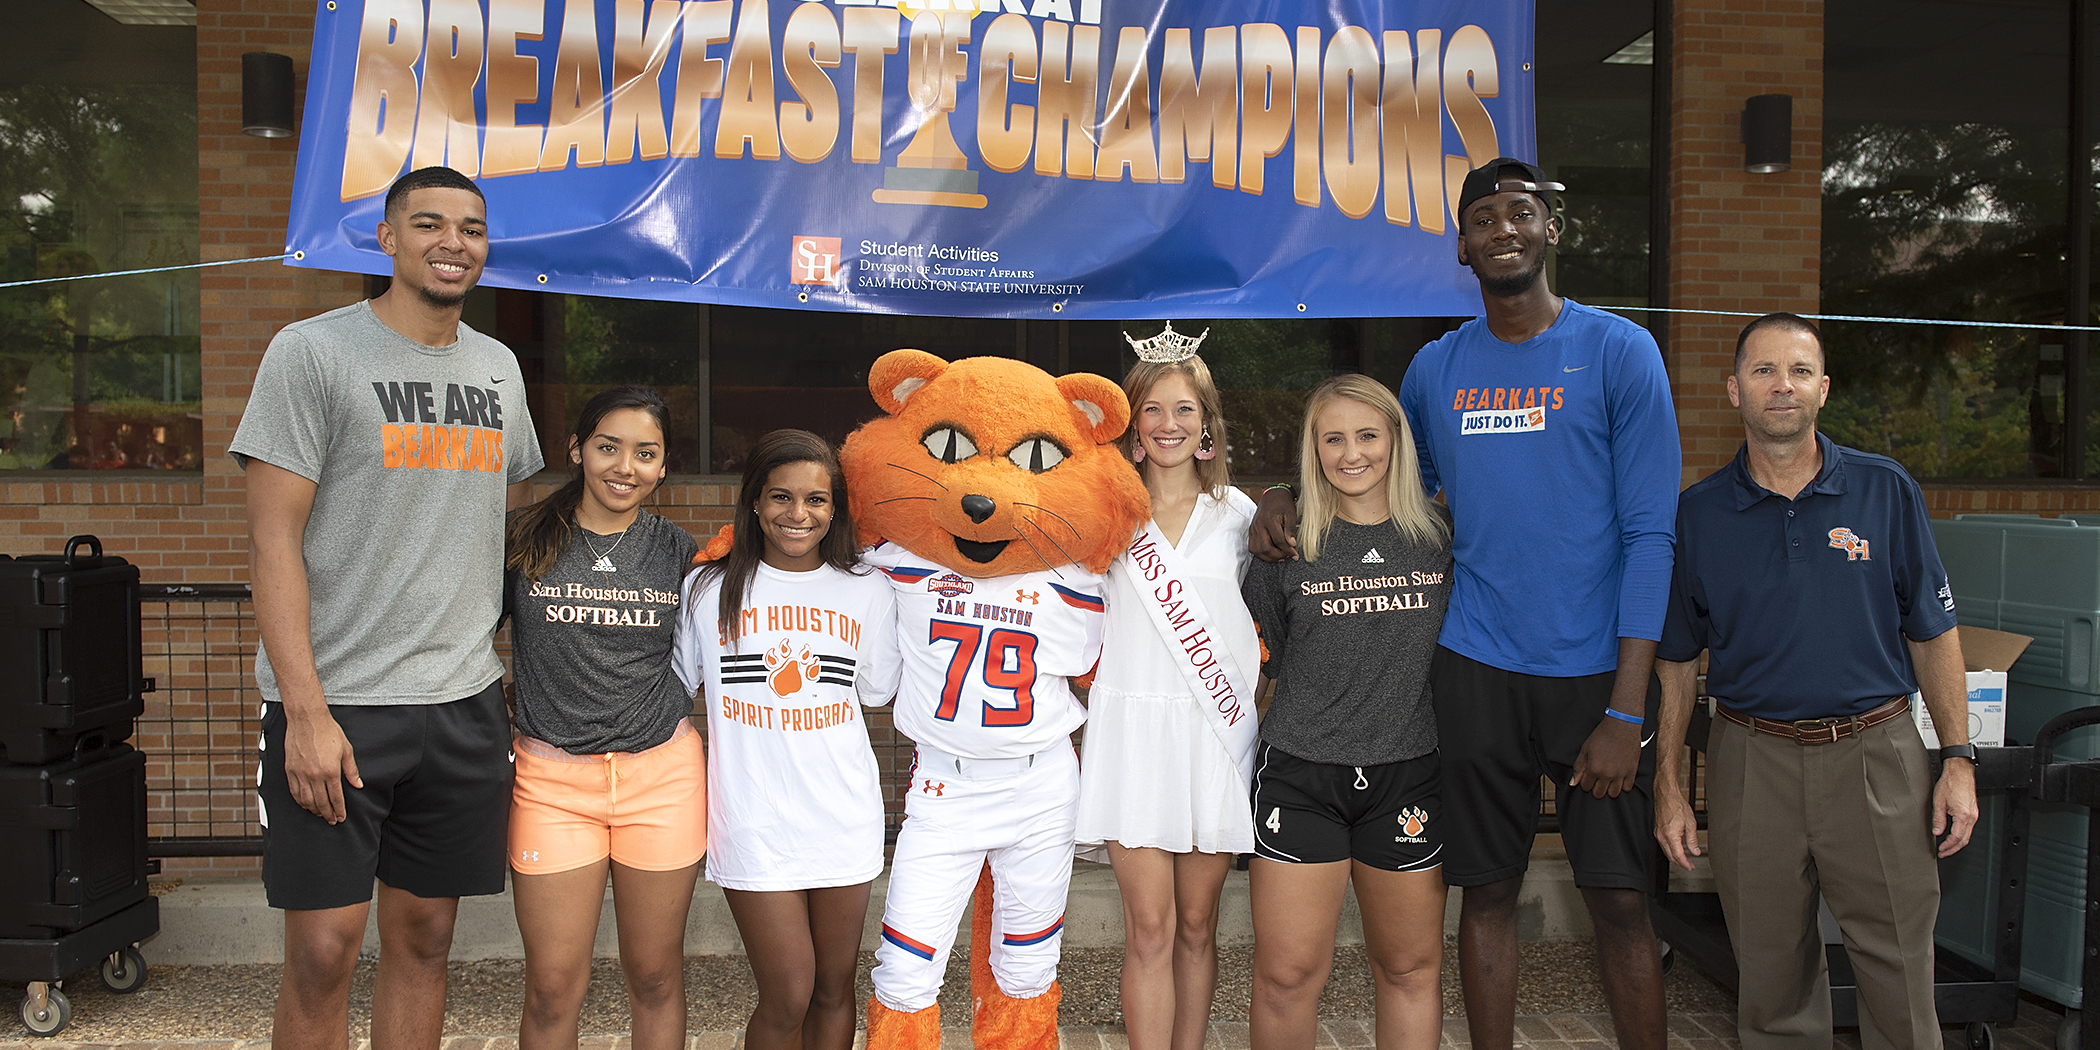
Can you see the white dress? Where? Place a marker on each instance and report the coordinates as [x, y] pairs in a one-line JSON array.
[[1154, 773]]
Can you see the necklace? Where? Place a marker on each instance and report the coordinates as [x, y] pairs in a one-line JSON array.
[[604, 562]]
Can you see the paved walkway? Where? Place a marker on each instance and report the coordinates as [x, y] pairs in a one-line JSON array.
[[2035, 1030]]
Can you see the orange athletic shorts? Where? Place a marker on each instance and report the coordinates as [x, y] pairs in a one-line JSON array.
[[644, 809]]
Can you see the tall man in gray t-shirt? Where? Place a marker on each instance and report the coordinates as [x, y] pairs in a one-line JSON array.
[[383, 443]]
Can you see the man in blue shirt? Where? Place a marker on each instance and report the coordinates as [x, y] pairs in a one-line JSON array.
[[1807, 572], [1548, 427]]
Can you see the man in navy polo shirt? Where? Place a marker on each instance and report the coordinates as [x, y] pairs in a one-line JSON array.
[[1807, 572]]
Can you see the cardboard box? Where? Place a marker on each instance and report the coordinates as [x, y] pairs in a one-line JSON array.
[[1988, 654]]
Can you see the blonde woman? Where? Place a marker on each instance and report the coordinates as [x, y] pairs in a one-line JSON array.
[[1345, 782], [1170, 727]]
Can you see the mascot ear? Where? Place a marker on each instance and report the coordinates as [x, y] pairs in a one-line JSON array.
[[900, 373], [1098, 405]]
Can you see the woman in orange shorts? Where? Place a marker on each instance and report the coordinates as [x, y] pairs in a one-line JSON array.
[[610, 775]]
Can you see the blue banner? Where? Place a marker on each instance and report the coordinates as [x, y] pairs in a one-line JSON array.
[[1113, 159]]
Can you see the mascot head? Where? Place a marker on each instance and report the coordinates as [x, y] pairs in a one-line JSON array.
[[992, 467]]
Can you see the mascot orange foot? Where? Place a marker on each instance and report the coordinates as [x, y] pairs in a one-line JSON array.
[[998, 1020], [895, 1030]]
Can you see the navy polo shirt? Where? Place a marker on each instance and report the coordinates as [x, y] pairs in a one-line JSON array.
[[1803, 604]]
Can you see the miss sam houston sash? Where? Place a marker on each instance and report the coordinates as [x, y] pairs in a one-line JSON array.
[[1216, 683]]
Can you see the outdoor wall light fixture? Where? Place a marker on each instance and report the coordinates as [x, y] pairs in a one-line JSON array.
[[266, 95], [1768, 133]]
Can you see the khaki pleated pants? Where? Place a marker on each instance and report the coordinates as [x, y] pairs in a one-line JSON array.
[[1853, 820]]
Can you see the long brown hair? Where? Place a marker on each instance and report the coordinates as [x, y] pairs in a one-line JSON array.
[[747, 547], [1214, 474], [537, 535]]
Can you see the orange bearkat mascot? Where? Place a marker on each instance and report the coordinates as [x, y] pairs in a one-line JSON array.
[[993, 499]]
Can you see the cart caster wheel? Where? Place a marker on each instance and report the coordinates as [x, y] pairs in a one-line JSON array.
[[2068, 1033], [52, 1019], [1669, 956], [124, 972], [1979, 1036]]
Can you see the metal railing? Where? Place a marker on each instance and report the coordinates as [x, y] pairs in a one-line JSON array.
[[201, 721]]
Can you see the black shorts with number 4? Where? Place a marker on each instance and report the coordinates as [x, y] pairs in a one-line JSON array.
[[1387, 816]]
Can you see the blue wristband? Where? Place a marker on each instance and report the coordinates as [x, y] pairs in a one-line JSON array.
[[1622, 716]]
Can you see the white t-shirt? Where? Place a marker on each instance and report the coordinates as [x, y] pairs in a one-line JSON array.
[[794, 795], [986, 661]]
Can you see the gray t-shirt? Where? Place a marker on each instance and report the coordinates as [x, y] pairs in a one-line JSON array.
[[591, 651], [1349, 641], [410, 447]]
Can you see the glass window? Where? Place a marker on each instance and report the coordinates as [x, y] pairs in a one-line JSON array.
[[1596, 66], [1943, 198], [766, 369], [572, 347], [98, 173], [807, 369]]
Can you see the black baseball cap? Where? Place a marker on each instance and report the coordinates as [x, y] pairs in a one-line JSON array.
[[1503, 175]]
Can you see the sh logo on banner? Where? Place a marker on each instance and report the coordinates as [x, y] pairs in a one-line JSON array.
[[816, 261], [1498, 421]]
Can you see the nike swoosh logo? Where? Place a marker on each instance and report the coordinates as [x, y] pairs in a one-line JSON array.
[[1646, 740], [1564, 368], [493, 379]]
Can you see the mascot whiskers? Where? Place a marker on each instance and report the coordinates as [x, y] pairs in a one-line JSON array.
[[994, 500]]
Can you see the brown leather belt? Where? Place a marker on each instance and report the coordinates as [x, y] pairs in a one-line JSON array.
[[1818, 730]]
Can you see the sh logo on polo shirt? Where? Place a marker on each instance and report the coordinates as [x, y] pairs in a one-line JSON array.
[[1854, 546]]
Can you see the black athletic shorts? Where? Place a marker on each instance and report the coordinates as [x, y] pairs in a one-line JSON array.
[[1499, 732], [1314, 813], [431, 818]]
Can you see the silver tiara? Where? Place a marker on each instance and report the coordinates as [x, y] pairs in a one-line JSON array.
[[1167, 347]]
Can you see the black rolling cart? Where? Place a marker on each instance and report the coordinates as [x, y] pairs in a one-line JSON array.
[[73, 890], [1965, 993], [2077, 783]]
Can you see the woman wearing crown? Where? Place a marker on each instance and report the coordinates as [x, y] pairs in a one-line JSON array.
[[1170, 725]]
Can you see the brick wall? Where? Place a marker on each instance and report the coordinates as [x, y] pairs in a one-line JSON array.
[[1738, 241]]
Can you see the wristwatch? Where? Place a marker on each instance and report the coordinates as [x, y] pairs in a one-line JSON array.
[[1967, 751]]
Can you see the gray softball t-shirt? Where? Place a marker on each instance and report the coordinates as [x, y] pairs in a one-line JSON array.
[[1349, 640], [591, 649], [410, 448]]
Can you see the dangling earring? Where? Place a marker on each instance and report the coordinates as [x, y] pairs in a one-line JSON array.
[[1137, 451], [1206, 449]]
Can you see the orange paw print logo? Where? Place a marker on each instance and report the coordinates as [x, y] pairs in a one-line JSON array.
[[1413, 820], [789, 671]]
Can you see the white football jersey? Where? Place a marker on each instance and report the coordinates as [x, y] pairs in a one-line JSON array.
[[986, 660], [794, 794]]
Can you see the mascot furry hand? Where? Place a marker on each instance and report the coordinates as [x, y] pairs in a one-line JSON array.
[[994, 500]]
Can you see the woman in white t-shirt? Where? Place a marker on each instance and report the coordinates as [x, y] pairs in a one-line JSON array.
[[1170, 726], [790, 636]]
